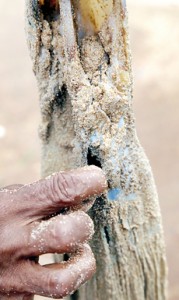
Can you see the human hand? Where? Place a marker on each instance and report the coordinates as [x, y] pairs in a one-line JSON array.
[[30, 226]]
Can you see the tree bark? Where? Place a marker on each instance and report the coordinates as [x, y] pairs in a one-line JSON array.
[[81, 59]]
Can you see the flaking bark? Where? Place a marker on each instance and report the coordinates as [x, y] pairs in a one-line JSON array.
[[85, 85]]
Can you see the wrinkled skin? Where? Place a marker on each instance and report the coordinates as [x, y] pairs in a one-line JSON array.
[[30, 226]]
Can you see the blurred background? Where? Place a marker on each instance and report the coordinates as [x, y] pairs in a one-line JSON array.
[[154, 30]]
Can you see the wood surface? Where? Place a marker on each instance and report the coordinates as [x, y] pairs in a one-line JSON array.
[[85, 83]]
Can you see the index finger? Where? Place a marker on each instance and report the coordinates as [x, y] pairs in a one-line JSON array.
[[62, 190]]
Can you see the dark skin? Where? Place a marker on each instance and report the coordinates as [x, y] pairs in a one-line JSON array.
[[47, 217], [28, 229]]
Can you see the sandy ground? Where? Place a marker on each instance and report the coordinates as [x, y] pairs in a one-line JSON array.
[[154, 40]]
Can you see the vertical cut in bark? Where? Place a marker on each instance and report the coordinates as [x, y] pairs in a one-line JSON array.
[[81, 59]]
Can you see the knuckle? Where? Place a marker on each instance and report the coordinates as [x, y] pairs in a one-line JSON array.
[[8, 279], [62, 237], [86, 222], [63, 187], [8, 243], [56, 287], [52, 283], [56, 236]]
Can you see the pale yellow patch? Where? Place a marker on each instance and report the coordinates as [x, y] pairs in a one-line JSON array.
[[124, 77], [95, 12]]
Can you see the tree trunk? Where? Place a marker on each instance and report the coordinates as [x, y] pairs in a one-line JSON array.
[[81, 58]]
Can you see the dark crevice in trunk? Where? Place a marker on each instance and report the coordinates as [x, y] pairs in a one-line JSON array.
[[51, 51], [60, 98], [93, 159], [75, 296], [48, 131], [145, 286], [107, 57], [107, 234], [50, 10]]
